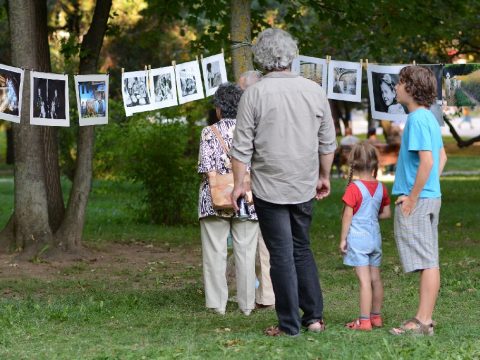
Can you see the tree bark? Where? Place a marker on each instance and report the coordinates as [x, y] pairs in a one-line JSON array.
[[69, 235], [241, 35], [32, 232]]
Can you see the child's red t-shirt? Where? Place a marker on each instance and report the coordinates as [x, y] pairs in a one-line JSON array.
[[353, 195]]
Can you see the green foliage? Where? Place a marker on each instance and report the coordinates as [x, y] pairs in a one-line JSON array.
[[158, 157], [461, 99]]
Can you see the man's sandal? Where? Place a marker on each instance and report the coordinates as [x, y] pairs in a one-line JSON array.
[[274, 331], [419, 328], [317, 326]]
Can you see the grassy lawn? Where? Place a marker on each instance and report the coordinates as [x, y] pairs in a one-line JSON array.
[[126, 308]]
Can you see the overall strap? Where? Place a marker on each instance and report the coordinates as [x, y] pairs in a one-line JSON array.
[[220, 139]]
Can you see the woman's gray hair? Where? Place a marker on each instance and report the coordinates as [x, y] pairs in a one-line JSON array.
[[226, 98], [275, 50]]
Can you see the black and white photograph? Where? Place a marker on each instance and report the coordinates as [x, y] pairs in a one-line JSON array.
[[382, 80], [135, 92], [49, 104], [345, 81], [462, 84], [164, 88], [92, 99], [214, 73], [436, 108], [311, 68], [11, 90], [189, 82]]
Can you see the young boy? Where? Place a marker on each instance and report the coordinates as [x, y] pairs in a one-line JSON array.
[[417, 184]]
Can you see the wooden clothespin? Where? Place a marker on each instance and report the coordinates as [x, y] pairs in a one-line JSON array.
[[366, 63], [328, 59], [174, 63], [145, 68], [414, 63], [222, 51], [149, 67], [361, 64], [123, 70], [201, 57], [196, 57]]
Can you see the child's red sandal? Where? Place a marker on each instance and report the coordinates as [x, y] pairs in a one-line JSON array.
[[360, 324], [376, 320]]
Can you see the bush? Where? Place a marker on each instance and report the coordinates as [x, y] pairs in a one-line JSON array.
[[160, 156]]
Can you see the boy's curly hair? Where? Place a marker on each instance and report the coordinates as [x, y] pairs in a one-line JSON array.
[[420, 83]]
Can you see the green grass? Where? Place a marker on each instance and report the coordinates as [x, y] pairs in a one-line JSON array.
[[154, 314]]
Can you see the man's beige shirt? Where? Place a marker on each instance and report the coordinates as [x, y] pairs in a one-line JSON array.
[[283, 124]]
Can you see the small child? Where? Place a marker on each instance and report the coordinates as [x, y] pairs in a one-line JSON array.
[[366, 200]]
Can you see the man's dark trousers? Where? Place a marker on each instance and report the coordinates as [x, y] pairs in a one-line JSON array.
[[285, 229]]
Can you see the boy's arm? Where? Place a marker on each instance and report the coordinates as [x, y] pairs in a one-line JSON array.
[[346, 222], [423, 172], [443, 161]]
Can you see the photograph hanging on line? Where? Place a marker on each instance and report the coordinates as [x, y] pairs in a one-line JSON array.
[[311, 68], [164, 88], [135, 92], [214, 73], [382, 80], [345, 81], [92, 99], [189, 82], [11, 90], [462, 84], [436, 108], [49, 104]]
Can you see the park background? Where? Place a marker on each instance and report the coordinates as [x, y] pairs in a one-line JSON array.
[[119, 276]]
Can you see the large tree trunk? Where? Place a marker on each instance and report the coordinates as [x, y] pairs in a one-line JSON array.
[[31, 226], [241, 35], [70, 232]]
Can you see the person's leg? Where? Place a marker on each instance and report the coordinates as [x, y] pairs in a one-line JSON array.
[[365, 280], [214, 232], [377, 290], [264, 293], [429, 287], [274, 222], [309, 291], [245, 235]]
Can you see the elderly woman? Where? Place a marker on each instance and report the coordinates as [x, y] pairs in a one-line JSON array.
[[215, 224], [285, 130]]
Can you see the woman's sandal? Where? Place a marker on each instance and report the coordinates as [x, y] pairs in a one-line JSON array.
[[419, 329]]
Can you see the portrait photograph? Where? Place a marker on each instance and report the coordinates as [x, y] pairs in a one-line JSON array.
[[49, 104], [382, 80], [189, 82], [135, 92], [461, 84], [92, 99], [345, 81], [11, 90], [164, 88], [214, 73], [311, 68]]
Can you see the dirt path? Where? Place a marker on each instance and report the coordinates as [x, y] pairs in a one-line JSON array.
[[114, 261]]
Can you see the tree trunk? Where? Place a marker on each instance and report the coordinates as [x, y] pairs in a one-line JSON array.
[[241, 35], [69, 235], [32, 232]]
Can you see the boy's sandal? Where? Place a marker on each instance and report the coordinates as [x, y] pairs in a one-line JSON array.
[[358, 324], [317, 326], [419, 329]]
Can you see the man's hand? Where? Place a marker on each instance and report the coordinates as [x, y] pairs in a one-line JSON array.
[[323, 188], [238, 191], [407, 204]]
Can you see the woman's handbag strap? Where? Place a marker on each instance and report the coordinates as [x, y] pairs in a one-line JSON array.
[[220, 138]]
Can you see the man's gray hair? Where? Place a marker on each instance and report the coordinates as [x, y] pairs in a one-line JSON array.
[[275, 49], [249, 78]]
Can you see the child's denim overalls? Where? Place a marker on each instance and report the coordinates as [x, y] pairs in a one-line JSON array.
[[364, 242]]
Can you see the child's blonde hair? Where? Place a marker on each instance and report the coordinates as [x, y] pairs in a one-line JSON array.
[[362, 158]]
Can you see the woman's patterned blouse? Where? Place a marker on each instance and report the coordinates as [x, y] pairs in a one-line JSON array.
[[212, 157]]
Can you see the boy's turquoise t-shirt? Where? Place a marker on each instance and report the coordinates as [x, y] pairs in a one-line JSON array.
[[421, 132]]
